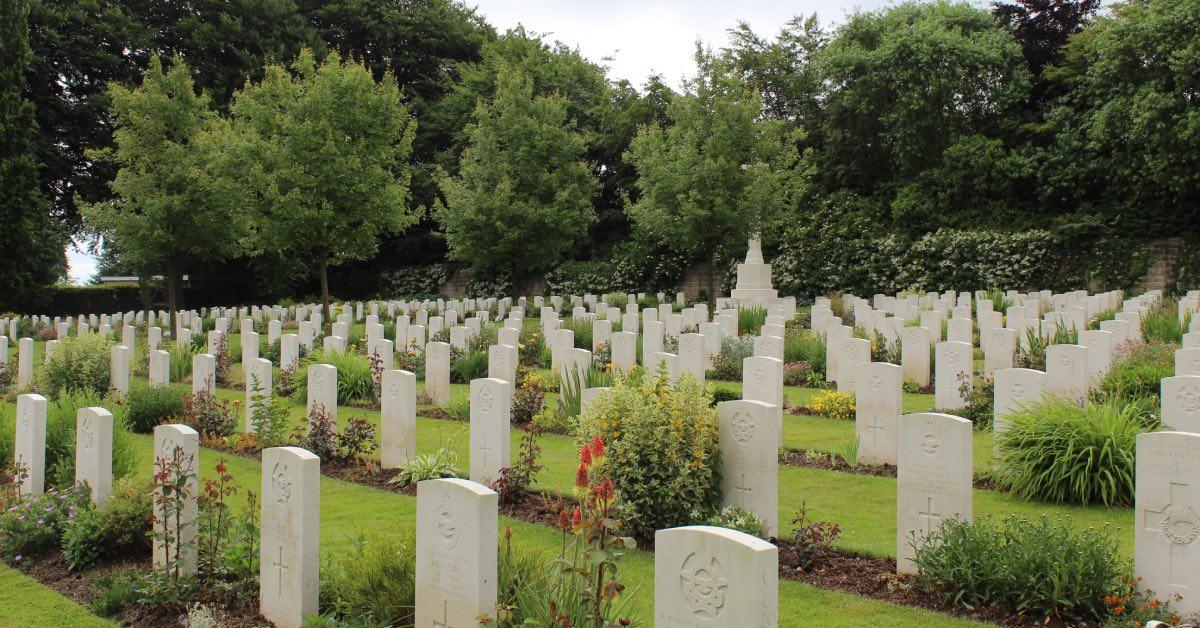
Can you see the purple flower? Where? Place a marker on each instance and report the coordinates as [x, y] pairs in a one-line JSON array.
[[21, 518], [41, 521], [17, 558]]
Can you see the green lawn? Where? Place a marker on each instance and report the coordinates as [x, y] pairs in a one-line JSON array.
[[26, 602]]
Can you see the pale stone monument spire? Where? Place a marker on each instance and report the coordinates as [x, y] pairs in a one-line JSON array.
[[754, 276]]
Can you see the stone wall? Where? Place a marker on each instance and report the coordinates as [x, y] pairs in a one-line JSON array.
[[694, 280], [1159, 276]]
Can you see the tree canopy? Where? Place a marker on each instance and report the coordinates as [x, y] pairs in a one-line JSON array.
[[523, 194]]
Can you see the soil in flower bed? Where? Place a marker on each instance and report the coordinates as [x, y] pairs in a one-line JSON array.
[[80, 587], [876, 578]]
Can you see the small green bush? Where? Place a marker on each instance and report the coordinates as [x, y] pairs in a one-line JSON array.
[[212, 417], [121, 527], [78, 364], [1138, 372], [443, 464], [738, 519], [662, 450], [356, 382], [147, 408], [181, 360], [1058, 452], [727, 365], [582, 330], [1044, 568], [373, 582]]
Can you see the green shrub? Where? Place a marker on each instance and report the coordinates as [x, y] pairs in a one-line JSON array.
[[373, 582], [834, 404], [1137, 373], [212, 417], [1045, 568], [35, 525], [582, 331], [721, 394], [799, 346], [727, 365], [738, 519], [78, 364], [980, 401], [147, 408], [120, 528], [356, 382], [468, 365], [662, 450], [1056, 451], [443, 464]]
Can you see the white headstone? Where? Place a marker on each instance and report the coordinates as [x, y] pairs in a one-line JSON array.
[[291, 531], [322, 390], [398, 419], [30, 442], [1067, 371], [954, 363], [93, 452], [119, 370], [437, 372], [1167, 523], [706, 576], [749, 445], [457, 552], [177, 451], [204, 373], [933, 478], [1013, 389], [491, 412], [1181, 403], [878, 403]]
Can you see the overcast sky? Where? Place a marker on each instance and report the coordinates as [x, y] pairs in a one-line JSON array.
[[641, 37]]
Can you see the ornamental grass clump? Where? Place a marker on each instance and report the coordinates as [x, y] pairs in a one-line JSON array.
[[1057, 451], [1043, 569], [355, 379], [662, 455]]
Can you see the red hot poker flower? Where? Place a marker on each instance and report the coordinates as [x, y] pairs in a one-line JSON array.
[[585, 455], [598, 447], [581, 476]]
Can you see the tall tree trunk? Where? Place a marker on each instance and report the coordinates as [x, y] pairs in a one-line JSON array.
[[714, 286], [172, 288], [323, 267]]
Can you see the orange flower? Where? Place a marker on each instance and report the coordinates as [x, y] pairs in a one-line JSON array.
[[577, 517], [564, 519], [598, 447], [585, 455]]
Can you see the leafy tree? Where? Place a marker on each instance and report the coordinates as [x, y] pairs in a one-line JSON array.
[[782, 70], [164, 216], [319, 156], [718, 173], [1127, 128], [907, 82], [523, 194], [1042, 27], [32, 249]]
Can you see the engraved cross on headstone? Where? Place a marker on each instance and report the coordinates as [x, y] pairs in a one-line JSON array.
[[1155, 521], [929, 517], [280, 567], [743, 492], [445, 616], [876, 428], [486, 450]]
